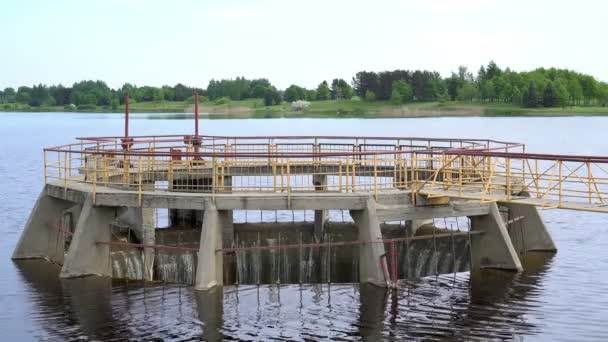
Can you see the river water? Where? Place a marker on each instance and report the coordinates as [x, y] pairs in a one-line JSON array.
[[560, 297]]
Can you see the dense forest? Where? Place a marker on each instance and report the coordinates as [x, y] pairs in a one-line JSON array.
[[538, 88]]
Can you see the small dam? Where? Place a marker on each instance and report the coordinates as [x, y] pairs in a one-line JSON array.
[[221, 210]]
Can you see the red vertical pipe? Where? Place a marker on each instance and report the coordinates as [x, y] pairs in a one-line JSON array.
[[393, 263], [196, 114], [126, 115]]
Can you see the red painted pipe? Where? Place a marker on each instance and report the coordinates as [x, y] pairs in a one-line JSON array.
[[393, 263], [126, 115], [196, 114]]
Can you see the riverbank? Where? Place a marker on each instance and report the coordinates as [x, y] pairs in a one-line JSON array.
[[254, 108]]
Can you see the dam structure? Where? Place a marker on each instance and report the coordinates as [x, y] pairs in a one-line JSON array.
[[103, 195]]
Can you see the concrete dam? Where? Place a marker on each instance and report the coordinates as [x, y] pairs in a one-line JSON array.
[[221, 210]]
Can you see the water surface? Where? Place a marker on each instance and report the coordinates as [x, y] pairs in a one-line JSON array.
[[563, 297]]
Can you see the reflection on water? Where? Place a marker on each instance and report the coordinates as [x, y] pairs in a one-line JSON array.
[[562, 298], [488, 305]]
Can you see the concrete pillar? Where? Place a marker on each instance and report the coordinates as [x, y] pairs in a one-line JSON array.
[[209, 270], [321, 216], [84, 256], [210, 307], [372, 312], [492, 249], [370, 255], [535, 237], [42, 236]]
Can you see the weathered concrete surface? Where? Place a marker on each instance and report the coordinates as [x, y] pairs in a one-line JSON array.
[[209, 271], [41, 237], [371, 269], [389, 213], [84, 256], [535, 235], [494, 248], [105, 196]]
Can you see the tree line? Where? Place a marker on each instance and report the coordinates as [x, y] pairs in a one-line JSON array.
[[491, 84]]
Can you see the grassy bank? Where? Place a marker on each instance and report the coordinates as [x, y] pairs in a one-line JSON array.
[[329, 109]]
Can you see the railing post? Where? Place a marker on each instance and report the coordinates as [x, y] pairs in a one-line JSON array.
[[589, 181], [561, 182], [45, 169], [213, 179], [170, 175], [139, 187], [375, 178], [354, 180], [94, 178], [274, 175], [413, 177], [460, 160], [340, 176], [288, 186], [65, 174], [536, 177], [508, 167]]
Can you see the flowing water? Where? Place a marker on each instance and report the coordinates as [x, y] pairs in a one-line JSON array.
[[560, 297]]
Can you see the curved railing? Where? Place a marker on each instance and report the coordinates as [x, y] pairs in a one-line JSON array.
[[219, 164], [486, 170]]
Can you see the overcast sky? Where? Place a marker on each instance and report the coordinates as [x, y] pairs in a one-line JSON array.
[[150, 42]]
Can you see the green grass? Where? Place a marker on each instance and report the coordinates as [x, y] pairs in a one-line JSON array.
[[332, 109]]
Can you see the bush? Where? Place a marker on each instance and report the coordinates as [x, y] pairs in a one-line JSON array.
[[222, 101], [355, 98], [69, 107]]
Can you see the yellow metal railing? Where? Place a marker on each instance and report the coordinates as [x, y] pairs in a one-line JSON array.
[[477, 169]]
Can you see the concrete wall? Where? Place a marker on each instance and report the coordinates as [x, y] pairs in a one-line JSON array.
[[42, 236]]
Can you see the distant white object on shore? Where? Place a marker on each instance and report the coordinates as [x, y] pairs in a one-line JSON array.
[[299, 105]]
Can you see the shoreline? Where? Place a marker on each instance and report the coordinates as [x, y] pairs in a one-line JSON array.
[[330, 109]]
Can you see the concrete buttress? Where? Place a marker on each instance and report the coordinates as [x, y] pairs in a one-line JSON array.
[[41, 237], [209, 270], [535, 237], [492, 249], [85, 256], [371, 268]]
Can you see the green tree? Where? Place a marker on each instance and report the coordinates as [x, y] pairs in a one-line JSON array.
[[396, 98], [488, 91], [467, 92], [311, 95], [562, 94], [23, 97], [401, 93], [9, 95], [575, 90], [550, 95], [323, 91], [516, 96], [340, 89], [294, 93], [271, 96], [530, 100]]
